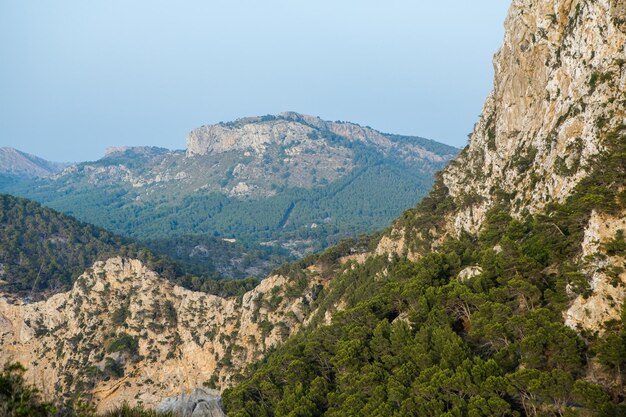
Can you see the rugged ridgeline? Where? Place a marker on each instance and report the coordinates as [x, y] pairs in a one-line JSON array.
[[125, 334], [120, 332], [16, 164], [282, 185], [43, 251], [547, 133]]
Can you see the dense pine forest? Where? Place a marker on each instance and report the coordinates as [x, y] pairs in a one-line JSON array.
[[43, 251]]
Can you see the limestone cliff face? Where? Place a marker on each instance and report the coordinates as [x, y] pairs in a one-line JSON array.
[[605, 274], [559, 89], [257, 134], [560, 83], [124, 334], [304, 147]]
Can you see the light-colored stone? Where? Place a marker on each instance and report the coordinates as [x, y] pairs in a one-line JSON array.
[[469, 273], [558, 90], [608, 293], [544, 108], [183, 336], [199, 403], [296, 131], [394, 243]]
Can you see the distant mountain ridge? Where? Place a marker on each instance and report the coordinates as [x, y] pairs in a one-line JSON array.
[[288, 184], [259, 132], [21, 164], [501, 294]]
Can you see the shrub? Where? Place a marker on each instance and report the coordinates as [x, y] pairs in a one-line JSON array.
[[18, 399]]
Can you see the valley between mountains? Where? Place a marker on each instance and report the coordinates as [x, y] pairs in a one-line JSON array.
[[248, 195], [501, 293]]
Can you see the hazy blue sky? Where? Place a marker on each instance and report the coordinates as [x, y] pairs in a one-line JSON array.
[[77, 76]]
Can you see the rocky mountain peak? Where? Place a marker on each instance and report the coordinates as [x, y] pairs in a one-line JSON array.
[[291, 129], [559, 97], [250, 133], [559, 89]]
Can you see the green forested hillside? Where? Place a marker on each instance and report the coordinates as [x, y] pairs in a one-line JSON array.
[[228, 258], [415, 339], [364, 200], [331, 187], [44, 251]]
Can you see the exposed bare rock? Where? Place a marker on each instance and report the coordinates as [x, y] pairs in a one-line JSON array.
[[256, 134], [395, 243], [607, 284], [199, 403], [470, 272], [559, 86], [124, 334], [557, 89]]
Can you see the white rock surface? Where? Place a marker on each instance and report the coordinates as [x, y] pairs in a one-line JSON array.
[[199, 403], [558, 90], [539, 127], [469, 273]]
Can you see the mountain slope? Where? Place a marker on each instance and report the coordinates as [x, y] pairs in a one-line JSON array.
[[502, 293], [293, 183], [43, 252], [15, 163], [471, 304], [558, 93], [124, 334]]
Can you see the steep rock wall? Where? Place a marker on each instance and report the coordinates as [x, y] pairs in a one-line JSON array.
[[559, 85]]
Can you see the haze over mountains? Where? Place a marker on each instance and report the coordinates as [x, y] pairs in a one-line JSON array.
[[502, 293], [281, 186]]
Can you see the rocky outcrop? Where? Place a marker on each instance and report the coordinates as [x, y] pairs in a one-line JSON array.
[[559, 91], [469, 273], [124, 334], [559, 86], [21, 164], [198, 403], [256, 134], [603, 269]]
